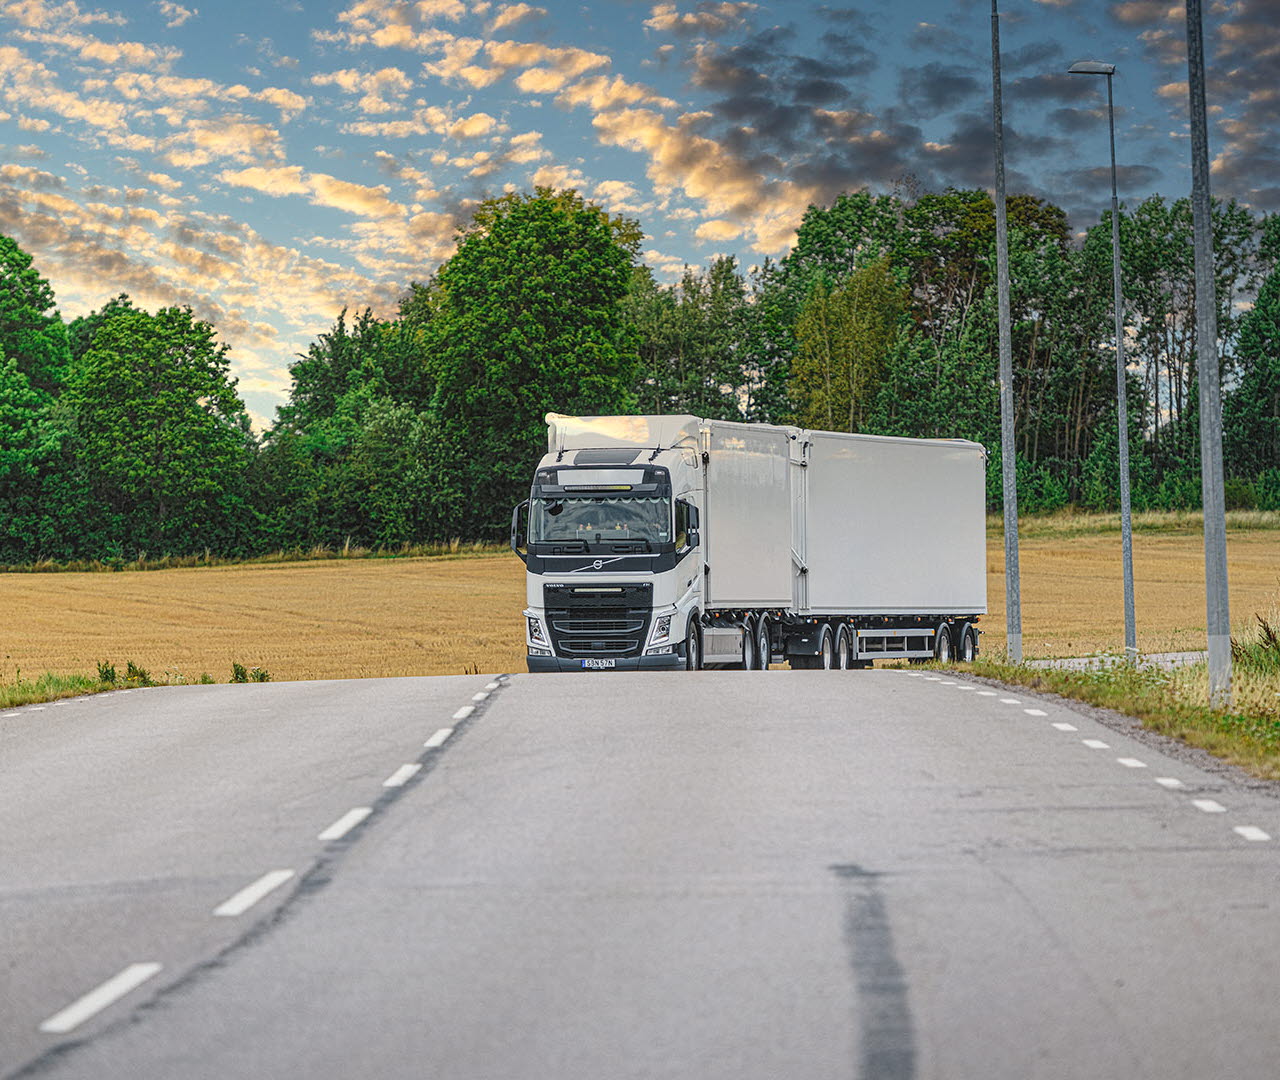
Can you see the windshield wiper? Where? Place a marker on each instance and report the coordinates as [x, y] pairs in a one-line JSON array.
[[631, 540]]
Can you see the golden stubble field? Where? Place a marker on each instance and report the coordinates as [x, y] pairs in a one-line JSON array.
[[439, 616]]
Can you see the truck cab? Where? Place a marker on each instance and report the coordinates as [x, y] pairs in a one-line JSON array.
[[610, 538]]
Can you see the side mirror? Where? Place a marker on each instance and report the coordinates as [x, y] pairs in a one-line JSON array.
[[695, 532], [520, 530]]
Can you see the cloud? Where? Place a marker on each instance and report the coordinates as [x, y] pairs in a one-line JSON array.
[[707, 19], [395, 24], [545, 68], [360, 200], [375, 88], [513, 14], [175, 14]]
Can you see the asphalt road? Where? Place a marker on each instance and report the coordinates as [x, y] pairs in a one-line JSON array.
[[782, 875]]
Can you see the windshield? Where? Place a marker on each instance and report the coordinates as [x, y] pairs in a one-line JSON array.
[[645, 521]]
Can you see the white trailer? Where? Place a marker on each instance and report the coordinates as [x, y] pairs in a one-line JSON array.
[[672, 541]]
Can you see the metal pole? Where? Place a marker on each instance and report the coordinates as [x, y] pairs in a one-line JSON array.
[[1122, 404], [1012, 591], [1218, 619]]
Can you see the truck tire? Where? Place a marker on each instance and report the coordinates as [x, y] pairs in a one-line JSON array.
[[763, 648], [826, 649], [966, 643], [942, 651], [748, 645], [844, 649], [693, 644]]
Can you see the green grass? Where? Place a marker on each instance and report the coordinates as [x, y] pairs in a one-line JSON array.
[[319, 553], [1175, 703], [1069, 523], [48, 687]]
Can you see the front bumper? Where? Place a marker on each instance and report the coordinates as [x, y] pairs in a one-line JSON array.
[[668, 662]]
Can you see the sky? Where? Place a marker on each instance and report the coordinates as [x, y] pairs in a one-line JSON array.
[[271, 163]]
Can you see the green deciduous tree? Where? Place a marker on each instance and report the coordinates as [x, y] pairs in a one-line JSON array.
[[31, 332], [529, 322], [844, 341], [162, 434]]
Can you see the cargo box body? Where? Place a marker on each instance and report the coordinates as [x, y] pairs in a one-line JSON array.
[[660, 541]]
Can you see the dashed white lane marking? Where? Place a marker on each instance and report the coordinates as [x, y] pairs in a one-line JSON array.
[[933, 678], [1062, 725], [251, 894], [1209, 806], [95, 1001], [439, 738], [1035, 712], [1170, 782], [9, 715], [401, 776], [1010, 701], [346, 823], [987, 693], [480, 696], [35, 708], [464, 712], [1095, 744], [1131, 763], [945, 683], [1251, 832], [961, 686], [492, 685]]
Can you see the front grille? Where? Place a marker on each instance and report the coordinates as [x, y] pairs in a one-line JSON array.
[[588, 621]]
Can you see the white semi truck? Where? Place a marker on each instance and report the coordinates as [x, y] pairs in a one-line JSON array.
[[677, 542]]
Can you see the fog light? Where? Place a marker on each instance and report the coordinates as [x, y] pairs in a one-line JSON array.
[[661, 650], [539, 652]]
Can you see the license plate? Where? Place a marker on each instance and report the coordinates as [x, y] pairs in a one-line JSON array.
[[599, 665]]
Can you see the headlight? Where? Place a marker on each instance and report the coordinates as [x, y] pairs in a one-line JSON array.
[[661, 629], [536, 635]]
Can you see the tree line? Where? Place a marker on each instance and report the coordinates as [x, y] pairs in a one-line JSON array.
[[122, 434]]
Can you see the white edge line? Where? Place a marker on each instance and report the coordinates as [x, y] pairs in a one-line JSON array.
[[401, 776], [492, 685], [464, 712], [1035, 712], [439, 738], [480, 696], [1170, 782], [1131, 763], [1251, 832], [95, 1001], [1095, 744], [1209, 806], [1064, 726], [251, 894], [1010, 701], [346, 823]]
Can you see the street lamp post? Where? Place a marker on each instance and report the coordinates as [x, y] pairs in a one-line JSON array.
[[1094, 67], [1012, 585], [1217, 608]]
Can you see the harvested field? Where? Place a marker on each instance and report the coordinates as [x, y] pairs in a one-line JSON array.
[[348, 618]]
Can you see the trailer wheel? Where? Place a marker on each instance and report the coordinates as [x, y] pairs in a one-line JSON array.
[[844, 650], [942, 644], [693, 644], [763, 648], [748, 645], [967, 646]]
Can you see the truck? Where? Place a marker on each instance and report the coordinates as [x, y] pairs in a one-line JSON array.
[[664, 542]]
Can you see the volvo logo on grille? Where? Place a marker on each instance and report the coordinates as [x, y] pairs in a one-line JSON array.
[[598, 564]]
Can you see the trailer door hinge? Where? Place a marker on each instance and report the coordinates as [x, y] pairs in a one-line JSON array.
[[804, 570]]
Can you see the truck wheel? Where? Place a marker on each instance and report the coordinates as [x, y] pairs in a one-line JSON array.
[[763, 647], [844, 653], [693, 645], [967, 644], [942, 644], [748, 646], [826, 649]]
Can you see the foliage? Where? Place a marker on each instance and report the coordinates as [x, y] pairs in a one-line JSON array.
[[530, 322], [31, 331], [162, 435]]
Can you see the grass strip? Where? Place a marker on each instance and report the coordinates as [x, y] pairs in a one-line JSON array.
[[1173, 703], [49, 687]]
